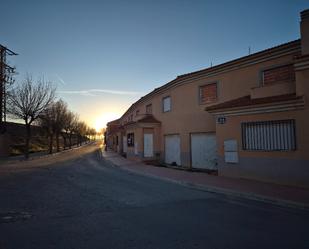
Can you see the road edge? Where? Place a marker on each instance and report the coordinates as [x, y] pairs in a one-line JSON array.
[[211, 189], [43, 156]]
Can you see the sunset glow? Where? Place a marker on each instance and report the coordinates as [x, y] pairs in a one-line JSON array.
[[100, 122]]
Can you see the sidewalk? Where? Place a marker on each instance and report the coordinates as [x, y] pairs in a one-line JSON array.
[[267, 192]]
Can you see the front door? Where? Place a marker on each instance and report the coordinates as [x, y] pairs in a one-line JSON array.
[[124, 141], [148, 145]]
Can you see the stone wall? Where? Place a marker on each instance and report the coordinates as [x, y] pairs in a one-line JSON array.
[[5, 142]]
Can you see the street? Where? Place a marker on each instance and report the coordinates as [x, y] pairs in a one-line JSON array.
[[78, 200]]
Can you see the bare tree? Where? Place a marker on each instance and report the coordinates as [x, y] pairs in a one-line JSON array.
[[53, 120], [61, 110], [28, 100], [46, 120], [91, 133], [75, 129], [81, 129], [68, 128]]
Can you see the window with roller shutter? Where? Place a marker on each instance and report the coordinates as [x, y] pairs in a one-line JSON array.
[[208, 93], [279, 74]]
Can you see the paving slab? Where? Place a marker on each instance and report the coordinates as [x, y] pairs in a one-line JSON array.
[[287, 196]]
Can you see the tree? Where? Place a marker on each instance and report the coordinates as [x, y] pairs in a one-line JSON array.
[[75, 129], [28, 100], [53, 120], [81, 132], [91, 133], [68, 128], [46, 121], [61, 110]]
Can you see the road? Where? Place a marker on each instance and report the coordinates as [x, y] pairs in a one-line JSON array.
[[78, 200]]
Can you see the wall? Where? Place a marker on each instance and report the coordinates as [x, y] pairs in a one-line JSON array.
[[5, 142], [275, 170], [136, 150], [187, 115], [232, 130], [287, 167]]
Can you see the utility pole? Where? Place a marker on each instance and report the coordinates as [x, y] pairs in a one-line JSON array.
[[6, 73]]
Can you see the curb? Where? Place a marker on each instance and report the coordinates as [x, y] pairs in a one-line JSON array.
[[211, 189]]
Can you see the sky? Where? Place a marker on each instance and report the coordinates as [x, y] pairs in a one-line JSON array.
[[105, 55]]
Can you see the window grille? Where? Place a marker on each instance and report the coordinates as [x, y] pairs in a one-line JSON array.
[[276, 135]]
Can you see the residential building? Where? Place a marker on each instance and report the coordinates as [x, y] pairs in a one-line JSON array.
[[110, 136], [245, 118]]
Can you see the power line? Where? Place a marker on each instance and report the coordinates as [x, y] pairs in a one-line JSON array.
[[6, 78]]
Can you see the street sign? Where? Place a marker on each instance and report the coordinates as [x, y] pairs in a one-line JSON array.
[[221, 120]]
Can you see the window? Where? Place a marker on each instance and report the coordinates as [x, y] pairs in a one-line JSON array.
[[166, 102], [283, 73], [117, 140], [276, 135], [208, 93], [137, 113], [130, 139], [149, 109]]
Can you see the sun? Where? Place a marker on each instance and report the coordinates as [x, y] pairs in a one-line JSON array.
[[103, 119]]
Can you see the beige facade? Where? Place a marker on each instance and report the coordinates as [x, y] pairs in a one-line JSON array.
[[265, 86]]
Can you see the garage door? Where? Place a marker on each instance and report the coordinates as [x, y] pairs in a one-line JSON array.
[[204, 151], [172, 149]]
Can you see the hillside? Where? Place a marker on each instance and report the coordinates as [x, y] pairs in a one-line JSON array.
[[38, 143]]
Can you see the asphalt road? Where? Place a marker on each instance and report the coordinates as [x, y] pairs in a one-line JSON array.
[[77, 200]]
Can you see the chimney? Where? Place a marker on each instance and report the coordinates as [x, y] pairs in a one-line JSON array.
[[304, 31]]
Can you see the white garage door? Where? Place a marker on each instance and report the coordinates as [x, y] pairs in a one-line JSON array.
[[204, 151], [172, 149]]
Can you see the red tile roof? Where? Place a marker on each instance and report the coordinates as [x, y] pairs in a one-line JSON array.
[[148, 119], [302, 56], [267, 52], [247, 101], [114, 122]]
